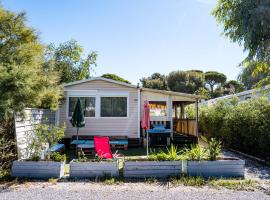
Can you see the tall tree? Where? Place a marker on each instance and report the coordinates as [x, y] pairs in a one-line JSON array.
[[23, 80], [232, 87], [249, 78], [214, 79], [155, 81], [248, 23], [68, 60], [115, 77], [185, 81]]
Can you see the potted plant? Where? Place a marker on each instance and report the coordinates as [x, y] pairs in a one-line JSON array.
[[92, 168], [207, 162], [41, 162], [157, 165]]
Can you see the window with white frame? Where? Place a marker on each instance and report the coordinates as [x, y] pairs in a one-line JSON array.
[[88, 105], [113, 107]]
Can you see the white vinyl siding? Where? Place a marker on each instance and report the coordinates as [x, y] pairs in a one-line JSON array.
[[107, 126]]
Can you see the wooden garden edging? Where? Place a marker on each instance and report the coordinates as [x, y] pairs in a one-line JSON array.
[[219, 168], [152, 169], [93, 169], [37, 169]]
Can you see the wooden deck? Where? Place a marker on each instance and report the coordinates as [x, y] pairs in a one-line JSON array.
[[185, 126], [184, 132]]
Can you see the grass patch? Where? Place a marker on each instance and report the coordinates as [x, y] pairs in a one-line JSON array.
[[53, 180], [4, 175], [112, 181], [188, 181], [233, 184], [66, 169], [151, 180]]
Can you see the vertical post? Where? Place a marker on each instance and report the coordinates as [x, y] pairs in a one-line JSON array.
[[57, 117], [170, 114], [197, 118], [147, 138], [139, 113]]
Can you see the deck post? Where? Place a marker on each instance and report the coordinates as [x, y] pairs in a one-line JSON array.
[[170, 114], [197, 118]]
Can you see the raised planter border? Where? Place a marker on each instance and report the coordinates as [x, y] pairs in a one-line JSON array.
[[219, 168], [152, 169], [93, 169], [37, 169]]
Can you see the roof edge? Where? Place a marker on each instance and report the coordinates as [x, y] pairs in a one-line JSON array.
[[173, 93], [102, 79]]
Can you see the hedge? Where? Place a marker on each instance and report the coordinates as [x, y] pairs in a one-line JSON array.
[[243, 126]]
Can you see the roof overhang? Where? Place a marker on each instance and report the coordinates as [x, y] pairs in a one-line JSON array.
[[99, 79], [180, 94]]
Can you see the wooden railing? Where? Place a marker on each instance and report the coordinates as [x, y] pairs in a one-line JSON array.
[[185, 126]]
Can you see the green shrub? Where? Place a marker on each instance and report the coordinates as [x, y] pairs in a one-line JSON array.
[[241, 126], [45, 136], [170, 154], [57, 157], [35, 158], [213, 147], [7, 145], [196, 152], [81, 156]]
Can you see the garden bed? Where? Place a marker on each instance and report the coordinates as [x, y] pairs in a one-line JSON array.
[[37, 169], [93, 169], [231, 167], [152, 169]]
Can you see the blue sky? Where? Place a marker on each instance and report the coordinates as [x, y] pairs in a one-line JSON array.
[[135, 38]]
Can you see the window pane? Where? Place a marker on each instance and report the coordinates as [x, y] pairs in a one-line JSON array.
[[113, 107], [158, 108], [88, 105]]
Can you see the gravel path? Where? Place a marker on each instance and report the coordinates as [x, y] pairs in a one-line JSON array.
[[125, 191], [253, 169]]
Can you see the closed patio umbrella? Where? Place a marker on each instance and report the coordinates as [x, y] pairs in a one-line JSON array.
[[77, 119], [145, 123]]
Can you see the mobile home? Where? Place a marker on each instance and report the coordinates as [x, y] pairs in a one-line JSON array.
[[113, 108]]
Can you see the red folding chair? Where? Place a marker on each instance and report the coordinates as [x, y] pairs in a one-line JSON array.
[[103, 149]]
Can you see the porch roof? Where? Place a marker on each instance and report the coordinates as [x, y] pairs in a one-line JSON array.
[[172, 93]]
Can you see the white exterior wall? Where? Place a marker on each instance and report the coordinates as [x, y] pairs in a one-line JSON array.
[[103, 126]]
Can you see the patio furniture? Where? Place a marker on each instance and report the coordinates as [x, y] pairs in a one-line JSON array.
[[159, 135], [102, 148], [88, 149], [58, 148], [116, 142]]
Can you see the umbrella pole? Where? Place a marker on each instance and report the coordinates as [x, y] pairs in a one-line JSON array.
[[147, 143], [77, 133]]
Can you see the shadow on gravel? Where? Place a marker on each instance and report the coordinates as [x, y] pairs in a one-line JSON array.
[[253, 168]]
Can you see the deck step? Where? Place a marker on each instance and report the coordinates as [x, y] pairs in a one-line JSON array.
[[182, 140]]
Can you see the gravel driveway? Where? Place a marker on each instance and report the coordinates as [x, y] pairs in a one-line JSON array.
[[253, 169], [125, 191]]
